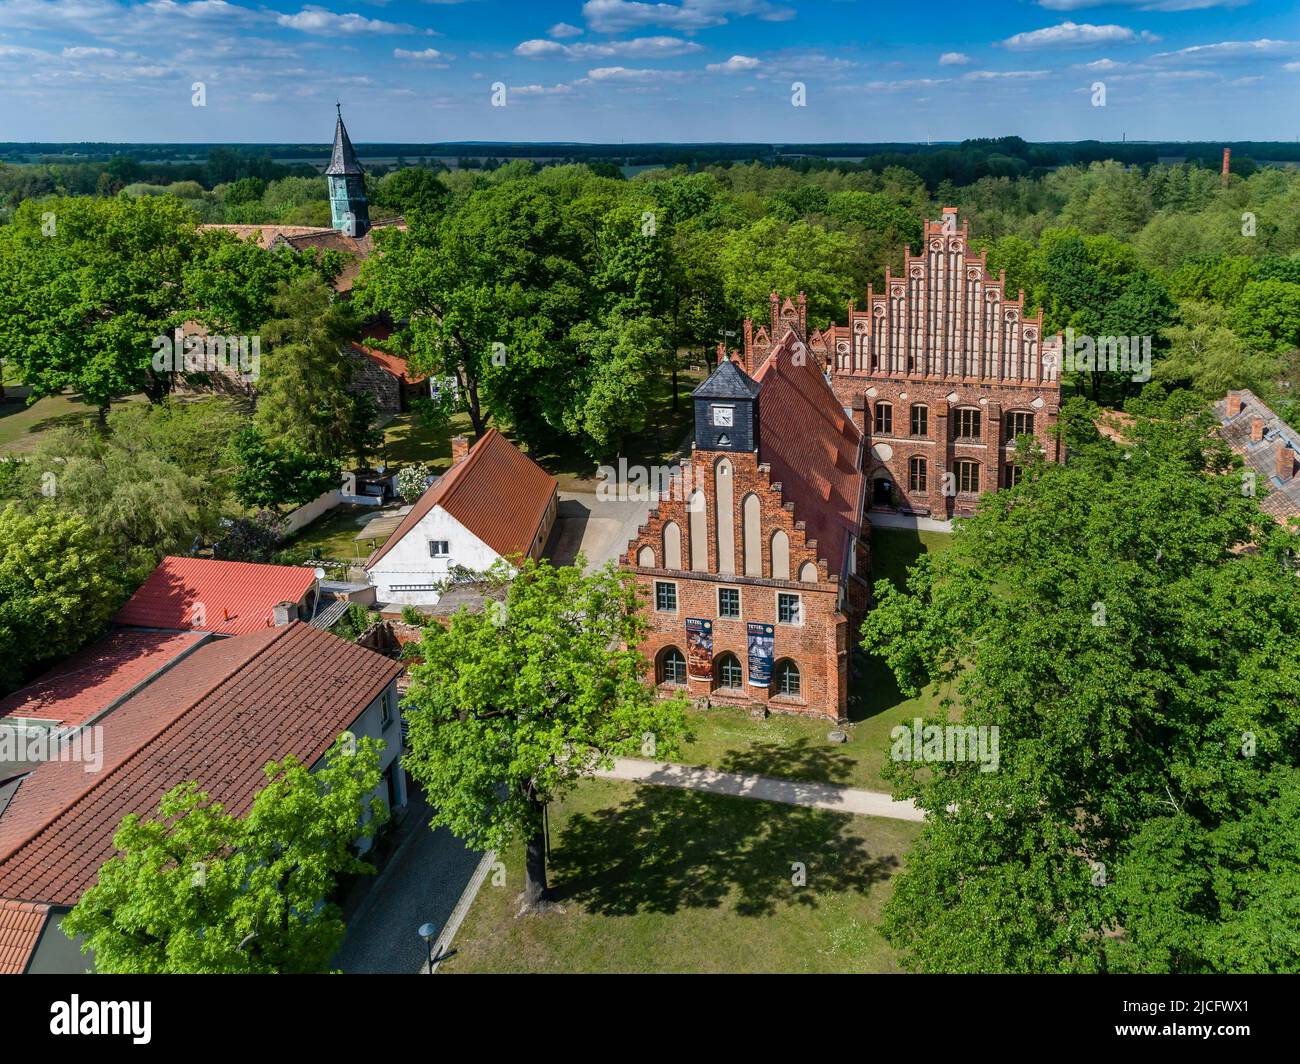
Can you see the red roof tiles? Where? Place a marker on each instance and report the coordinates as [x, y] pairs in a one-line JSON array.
[[213, 596], [217, 716], [92, 680], [497, 492], [813, 448], [21, 924]]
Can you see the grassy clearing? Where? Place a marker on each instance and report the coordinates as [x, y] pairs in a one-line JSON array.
[[22, 426], [655, 879]]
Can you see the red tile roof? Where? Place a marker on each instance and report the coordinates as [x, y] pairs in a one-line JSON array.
[[21, 924], [236, 597], [217, 716], [394, 364], [497, 492], [84, 685], [813, 448]]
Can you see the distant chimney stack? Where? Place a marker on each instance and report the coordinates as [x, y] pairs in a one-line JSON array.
[[1285, 462], [459, 449], [1227, 156], [284, 612], [1257, 430], [1233, 405]]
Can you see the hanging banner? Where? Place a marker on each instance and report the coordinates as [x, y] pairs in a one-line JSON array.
[[762, 649], [699, 647]]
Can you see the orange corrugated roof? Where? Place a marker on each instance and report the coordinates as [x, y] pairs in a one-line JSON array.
[[394, 364], [218, 716], [21, 924], [497, 492], [236, 597], [813, 448], [90, 681]]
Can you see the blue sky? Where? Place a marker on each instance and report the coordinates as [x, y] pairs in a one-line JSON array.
[[620, 70]]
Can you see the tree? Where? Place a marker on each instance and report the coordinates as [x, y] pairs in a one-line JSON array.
[[85, 287], [412, 189], [198, 890], [412, 480], [621, 357], [277, 476], [1267, 315], [769, 256], [1135, 662], [510, 708], [57, 589], [304, 396]]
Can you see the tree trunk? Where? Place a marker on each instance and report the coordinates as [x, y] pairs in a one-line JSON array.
[[674, 382], [536, 890]]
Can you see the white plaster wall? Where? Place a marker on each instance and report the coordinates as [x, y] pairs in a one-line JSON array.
[[408, 561]]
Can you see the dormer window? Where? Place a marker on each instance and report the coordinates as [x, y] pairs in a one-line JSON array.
[[724, 440], [724, 417]]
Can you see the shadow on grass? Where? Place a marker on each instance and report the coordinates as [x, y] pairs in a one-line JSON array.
[[666, 849], [801, 759]]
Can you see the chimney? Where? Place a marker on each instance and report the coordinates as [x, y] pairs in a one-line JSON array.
[[1257, 430], [1227, 155], [284, 612], [1233, 405], [1285, 461], [459, 449]]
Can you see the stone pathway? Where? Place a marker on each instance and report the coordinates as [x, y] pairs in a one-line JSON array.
[[767, 788]]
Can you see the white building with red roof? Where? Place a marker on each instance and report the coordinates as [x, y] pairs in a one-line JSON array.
[[493, 503]]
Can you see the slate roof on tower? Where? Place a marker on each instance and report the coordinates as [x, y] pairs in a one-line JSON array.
[[728, 381], [343, 159]]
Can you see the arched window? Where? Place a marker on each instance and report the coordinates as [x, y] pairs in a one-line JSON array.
[[786, 678], [780, 555], [808, 573], [1019, 423], [916, 473], [967, 423], [884, 419], [646, 557], [672, 546], [920, 420], [968, 476], [752, 531], [730, 676], [724, 503], [672, 667], [698, 519]]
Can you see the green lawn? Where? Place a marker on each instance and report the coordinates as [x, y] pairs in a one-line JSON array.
[[21, 426], [331, 537], [796, 747], [406, 441], [655, 879]]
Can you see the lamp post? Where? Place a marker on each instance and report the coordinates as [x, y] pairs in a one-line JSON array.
[[428, 932]]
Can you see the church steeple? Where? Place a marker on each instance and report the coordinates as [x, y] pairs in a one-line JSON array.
[[349, 210]]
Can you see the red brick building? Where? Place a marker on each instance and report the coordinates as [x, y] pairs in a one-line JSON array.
[[941, 371], [753, 571]]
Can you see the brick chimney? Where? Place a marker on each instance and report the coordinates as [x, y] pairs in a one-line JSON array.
[[1257, 430], [459, 449], [1233, 405], [1227, 159], [284, 612], [1285, 462]]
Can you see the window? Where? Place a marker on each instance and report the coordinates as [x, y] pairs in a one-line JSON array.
[[787, 608], [920, 421], [884, 419], [729, 674], [968, 476], [1012, 474], [1019, 423], [665, 597], [787, 678], [916, 474], [723, 416], [386, 709], [672, 666], [438, 548], [968, 424], [729, 602]]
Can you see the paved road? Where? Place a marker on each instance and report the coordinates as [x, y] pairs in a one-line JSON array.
[[599, 529], [421, 883], [790, 792]]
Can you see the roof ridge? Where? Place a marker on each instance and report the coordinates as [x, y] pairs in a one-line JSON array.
[[102, 778]]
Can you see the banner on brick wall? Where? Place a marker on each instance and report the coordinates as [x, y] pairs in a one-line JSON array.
[[699, 647], [762, 649]]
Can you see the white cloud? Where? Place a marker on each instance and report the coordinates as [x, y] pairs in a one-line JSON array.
[[428, 56], [1104, 64], [906, 85], [637, 48], [734, 65], [1075, 34], [954, 59], [1141, 5], [540, 90], [618, 73], [89, 53], [313, 19], [615, 16], [1005, 75], [562, 30], [1229, 51]]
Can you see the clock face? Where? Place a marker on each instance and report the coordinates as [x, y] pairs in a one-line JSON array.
[[722, 416]]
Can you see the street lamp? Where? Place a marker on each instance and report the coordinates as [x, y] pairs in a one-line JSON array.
[[428, 932]]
